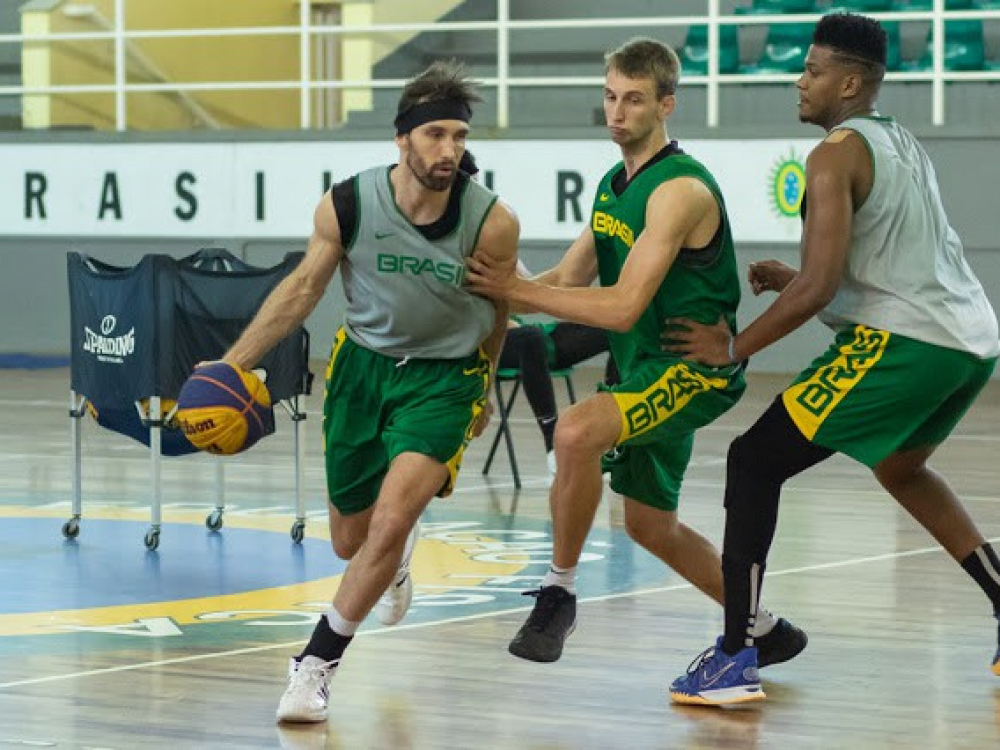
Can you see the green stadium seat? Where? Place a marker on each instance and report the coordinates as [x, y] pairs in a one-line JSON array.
[[964, 48], [785, 49], [893, 52], [922, 5], [694, 53], [777, 7], [505, 404], [863, 6]]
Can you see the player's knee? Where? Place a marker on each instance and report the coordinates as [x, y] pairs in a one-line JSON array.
[[746, 466], [345, 547], [637, 531], [573, 437], [650, 535], [895, 474], [581, 432], [533, 344], [389, 530], [347, 533], [741, 459]]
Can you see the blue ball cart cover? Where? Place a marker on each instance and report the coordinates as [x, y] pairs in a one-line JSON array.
[[137, 332]]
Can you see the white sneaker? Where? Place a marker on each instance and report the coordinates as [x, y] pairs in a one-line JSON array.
[[305, 698], [392, 606]]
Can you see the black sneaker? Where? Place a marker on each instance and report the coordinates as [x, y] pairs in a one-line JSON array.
[[541, 638], [784, 642]]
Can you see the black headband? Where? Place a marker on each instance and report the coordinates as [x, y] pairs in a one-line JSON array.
[[436, 109]]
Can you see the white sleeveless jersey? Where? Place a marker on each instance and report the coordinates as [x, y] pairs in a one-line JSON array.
[[906, 272]]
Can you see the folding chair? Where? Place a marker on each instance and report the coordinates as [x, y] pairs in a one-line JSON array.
[[513, 375]]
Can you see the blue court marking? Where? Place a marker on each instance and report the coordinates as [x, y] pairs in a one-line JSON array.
[[19, 361], [108, 565], [158, 604]]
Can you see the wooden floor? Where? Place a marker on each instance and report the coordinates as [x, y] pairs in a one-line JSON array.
[[107, 645]]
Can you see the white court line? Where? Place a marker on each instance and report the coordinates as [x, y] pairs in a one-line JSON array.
[[452, 620], [8, 402]]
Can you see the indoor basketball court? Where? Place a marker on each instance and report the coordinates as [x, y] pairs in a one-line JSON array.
[[109, 645]]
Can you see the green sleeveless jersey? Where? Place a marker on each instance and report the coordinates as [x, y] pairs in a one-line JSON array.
[[702, 285]]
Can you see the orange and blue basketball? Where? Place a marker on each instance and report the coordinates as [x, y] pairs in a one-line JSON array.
[[224, 409]]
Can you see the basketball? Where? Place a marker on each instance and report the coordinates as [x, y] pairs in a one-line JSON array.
[[224, 410]]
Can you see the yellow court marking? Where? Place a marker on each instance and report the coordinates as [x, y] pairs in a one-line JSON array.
[[437, 564]]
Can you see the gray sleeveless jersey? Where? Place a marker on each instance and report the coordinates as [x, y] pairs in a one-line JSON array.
[[404, 292], [906, 271]]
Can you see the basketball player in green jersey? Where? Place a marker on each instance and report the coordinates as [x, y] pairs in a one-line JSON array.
[[659, 240], [407, 381], [915, 342]]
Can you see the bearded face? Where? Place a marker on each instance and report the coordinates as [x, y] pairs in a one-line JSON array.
[[433, 150]]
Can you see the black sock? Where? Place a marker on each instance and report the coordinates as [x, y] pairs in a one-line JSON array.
[[548, 427], [326, 644], [984, 567]]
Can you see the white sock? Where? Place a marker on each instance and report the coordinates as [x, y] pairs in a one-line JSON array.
[[562, 577], [764, 623], [339, 625]]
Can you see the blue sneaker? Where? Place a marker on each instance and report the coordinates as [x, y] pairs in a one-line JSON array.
[[995, 666], [717, 679]]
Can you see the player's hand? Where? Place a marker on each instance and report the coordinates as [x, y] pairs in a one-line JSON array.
[[483, 420], [489, 277], [708, 345], [770, 276]]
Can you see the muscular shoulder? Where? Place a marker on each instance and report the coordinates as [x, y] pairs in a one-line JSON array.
[[842, 150], [325, 223], [500, 231], [687, 194]]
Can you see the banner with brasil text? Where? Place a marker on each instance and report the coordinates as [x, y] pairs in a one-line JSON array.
[[270, 190]]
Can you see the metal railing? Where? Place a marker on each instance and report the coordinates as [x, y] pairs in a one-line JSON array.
[[502, 83]]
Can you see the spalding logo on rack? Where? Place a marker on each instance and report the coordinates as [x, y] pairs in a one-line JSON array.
[[104, 346]]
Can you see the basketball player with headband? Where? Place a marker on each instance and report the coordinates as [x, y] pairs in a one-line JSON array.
[[409, 374]]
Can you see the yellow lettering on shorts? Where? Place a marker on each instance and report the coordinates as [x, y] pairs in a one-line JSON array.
[[810, 402], [675, 389]]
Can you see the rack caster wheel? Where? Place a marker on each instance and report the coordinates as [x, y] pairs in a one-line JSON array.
[[298, 531], [152, 539], [213, 521], [71, 529]]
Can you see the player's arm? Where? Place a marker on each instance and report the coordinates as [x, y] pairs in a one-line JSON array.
[[498, 243], [297, 295], [674, 211], [831, 174], [577, 267], [834, 173]]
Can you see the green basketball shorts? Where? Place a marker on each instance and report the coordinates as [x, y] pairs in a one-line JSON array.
[[662, 403], [377, 407], [873, 393]]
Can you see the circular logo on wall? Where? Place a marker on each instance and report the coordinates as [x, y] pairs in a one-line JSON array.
[[787, 185]]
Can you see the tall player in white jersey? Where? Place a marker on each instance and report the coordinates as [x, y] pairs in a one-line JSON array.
[[915, 343]]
